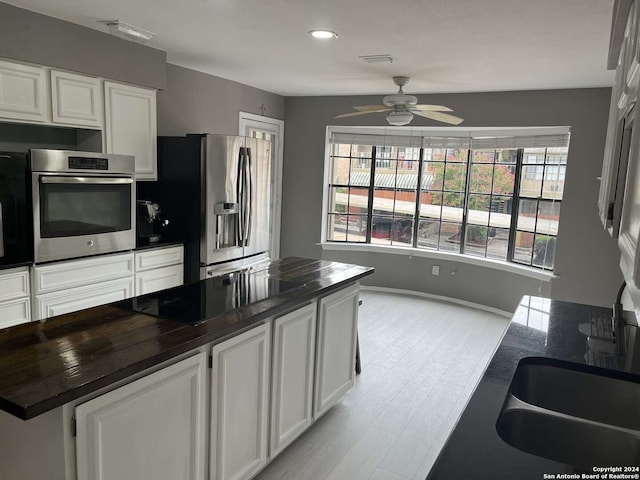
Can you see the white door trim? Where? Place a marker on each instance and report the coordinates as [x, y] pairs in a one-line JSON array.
[[275, 126]]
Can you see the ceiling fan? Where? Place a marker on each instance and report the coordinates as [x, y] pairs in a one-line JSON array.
[[403, 107]]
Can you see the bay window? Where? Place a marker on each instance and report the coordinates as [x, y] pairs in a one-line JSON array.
[[492, 197]]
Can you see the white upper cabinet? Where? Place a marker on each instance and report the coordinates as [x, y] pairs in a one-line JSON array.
[[23, 92], [76, 99], [130, 125], [620, 128]]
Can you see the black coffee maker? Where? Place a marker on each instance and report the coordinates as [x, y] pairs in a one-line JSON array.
[[150, 222]]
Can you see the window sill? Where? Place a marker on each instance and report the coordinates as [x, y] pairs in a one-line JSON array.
[[448, 256]]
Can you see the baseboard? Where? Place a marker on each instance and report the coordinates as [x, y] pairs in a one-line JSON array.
[[441, 298]]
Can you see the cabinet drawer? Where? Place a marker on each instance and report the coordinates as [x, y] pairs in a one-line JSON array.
[[159, 257], [15, 312], [14, 284], [159, 279], [74, 299], [77, 273]]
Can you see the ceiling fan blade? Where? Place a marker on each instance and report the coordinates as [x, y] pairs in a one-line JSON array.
[[370, 108], [353, 114], [432, 108], [440, 117]]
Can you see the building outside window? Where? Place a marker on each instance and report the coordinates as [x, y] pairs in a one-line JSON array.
[[477, 197]]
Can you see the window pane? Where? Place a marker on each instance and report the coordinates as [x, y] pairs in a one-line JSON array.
[[479, 209], [557, 155], [452, 207], [504, 178], [342, 150], [385, 171], [531, 182], [500, 212], [428, 233], [481, 178], [507, 156], [527, 212], [498, 243], [402, 232], [338, 199], [433, 172], [457, 155], [455, 177], [544, 251], [483, 156], [553, 186], [450, 236], [430, 204], [381, 230], [475, 242], [523, 250], [337, 228], [383, 200], [356, 228], [533, 155], [548, 217], [340, 170]]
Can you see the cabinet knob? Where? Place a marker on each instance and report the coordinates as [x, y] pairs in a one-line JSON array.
[[90, 243]]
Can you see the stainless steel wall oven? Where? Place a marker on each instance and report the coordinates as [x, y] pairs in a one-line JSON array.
[[83, 203]]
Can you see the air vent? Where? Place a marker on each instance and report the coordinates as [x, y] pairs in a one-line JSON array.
[[378, 58]]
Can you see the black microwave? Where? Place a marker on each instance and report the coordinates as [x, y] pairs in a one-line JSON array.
[[15, 210]]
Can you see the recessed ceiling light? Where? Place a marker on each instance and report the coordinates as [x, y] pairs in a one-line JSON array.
[[323, 34]]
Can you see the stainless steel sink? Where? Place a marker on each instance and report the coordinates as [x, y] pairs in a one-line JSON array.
[[575, 414]]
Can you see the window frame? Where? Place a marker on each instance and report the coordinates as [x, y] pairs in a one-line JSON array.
[[423, 157]]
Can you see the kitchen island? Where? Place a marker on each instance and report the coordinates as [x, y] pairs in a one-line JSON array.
[[61, 375], [546, 332]]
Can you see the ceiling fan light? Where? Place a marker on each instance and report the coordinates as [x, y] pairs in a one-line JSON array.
[[399, 118]]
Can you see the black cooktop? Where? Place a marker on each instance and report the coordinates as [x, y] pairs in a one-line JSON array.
[[201, 301]]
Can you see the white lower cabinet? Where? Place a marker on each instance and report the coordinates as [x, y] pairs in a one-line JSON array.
[[74, 299], [151, 428], [159, 268], [15, 302], [294, 338], [336, 347], [239, 405]]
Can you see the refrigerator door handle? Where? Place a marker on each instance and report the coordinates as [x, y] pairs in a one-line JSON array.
[[249, 191], [240, 196]]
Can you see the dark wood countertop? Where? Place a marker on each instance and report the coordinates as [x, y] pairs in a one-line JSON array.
[[46, 364]]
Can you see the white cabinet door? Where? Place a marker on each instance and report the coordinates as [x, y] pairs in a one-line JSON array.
[[294, 337], [14, 283], [15, 312], [76, 99], [239, 401], [336, 347], [130, 114], [74, 299], [159, 279], [23, 92], [152, 428]]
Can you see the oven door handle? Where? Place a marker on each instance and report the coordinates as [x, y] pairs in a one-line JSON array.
[[86, 180]]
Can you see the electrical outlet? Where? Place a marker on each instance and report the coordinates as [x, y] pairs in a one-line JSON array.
[[435, 270]]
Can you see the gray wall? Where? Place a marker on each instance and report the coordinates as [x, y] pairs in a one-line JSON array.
[[195, 102], [34, 38], [586, 258]]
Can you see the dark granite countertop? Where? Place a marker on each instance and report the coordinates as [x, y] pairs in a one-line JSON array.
[[46, 364], [539, 328]]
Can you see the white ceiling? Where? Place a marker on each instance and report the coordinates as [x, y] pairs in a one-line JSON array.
[[443, 45]]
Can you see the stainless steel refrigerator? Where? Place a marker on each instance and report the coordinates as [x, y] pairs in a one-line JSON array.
[[215, 192]]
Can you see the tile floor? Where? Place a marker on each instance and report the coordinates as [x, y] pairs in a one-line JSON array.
[[421, 361]]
